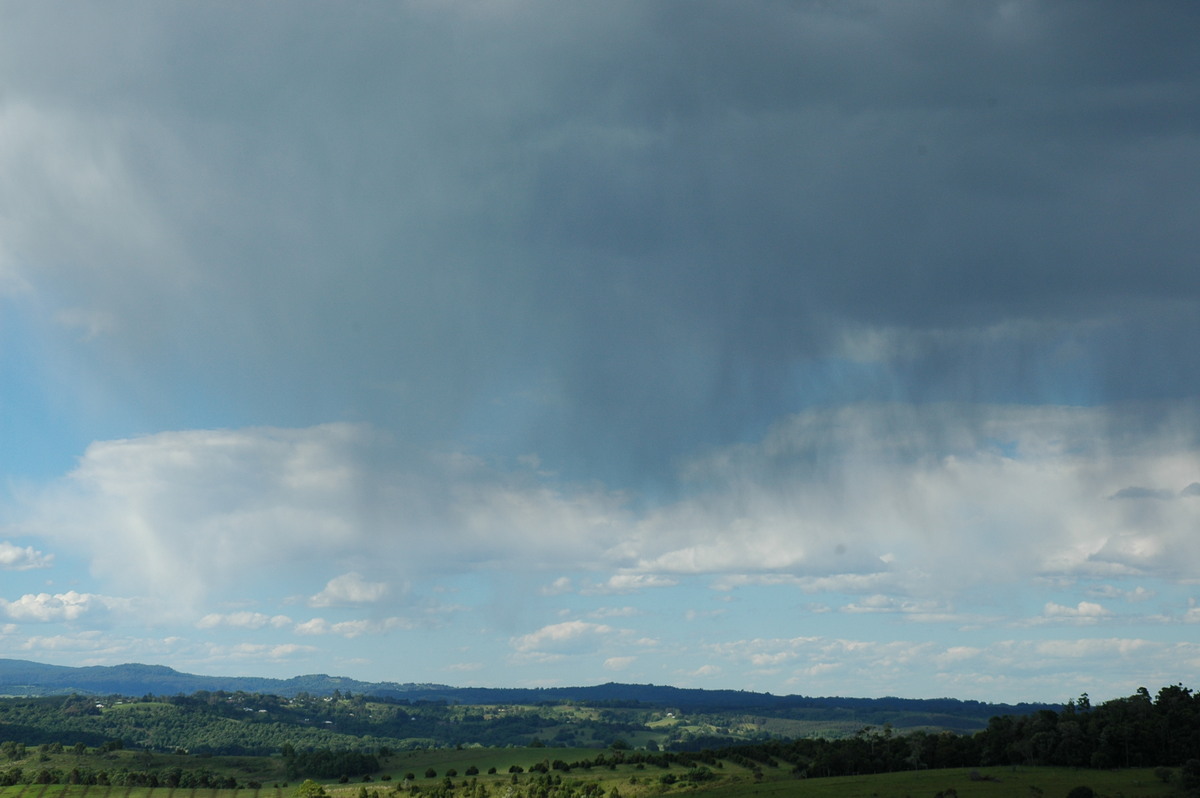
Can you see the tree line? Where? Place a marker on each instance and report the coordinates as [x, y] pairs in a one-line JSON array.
[[123, 777], [1137, 731]]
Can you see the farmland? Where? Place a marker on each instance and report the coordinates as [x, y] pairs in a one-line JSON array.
[[221, 745], [732, 781]]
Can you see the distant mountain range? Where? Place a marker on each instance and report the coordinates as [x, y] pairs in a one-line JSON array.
[[25, 678]]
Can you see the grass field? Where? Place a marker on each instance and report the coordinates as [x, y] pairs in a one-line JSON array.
[[737, 782], [1021, 783], [94, 791], [1008, 783], [632, 781]]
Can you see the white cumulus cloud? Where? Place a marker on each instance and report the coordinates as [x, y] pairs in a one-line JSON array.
[[568, 637], [1083, 613], [351, 629], [69, 606], [181, 515], [21, 558], [348, 589]]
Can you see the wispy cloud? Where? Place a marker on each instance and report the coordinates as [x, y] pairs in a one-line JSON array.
[[243, 620], [630, 583], [558, 587], [281, 651], [615, 612], [556, 640], [1085, 609], [351, 629]]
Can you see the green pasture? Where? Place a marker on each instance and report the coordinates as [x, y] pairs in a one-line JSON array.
[[632, 781], [442, 759], [1009, 783], [988, 783], [737, 782], [79, 791]]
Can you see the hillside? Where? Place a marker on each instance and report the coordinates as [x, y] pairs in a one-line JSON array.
[[25, 678], [178, 742]]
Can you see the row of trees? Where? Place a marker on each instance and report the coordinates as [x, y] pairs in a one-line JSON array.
[[539, 786], [323, 763], [171, 777]]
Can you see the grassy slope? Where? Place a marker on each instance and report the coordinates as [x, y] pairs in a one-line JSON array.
[[1024, 782], [733, 781], [1021, 783]]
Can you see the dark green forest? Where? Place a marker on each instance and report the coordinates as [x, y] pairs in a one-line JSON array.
[[1138, 731]]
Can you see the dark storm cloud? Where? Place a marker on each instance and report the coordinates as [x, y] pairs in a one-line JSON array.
[[660, 225]]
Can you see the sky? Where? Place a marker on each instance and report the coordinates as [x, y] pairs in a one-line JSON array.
[[811, 348]]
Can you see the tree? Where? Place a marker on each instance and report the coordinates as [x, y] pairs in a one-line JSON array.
[[1189, 775], [310, 789]]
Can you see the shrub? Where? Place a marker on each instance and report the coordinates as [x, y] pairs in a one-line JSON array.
[[1189, 774], [310, 789]]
